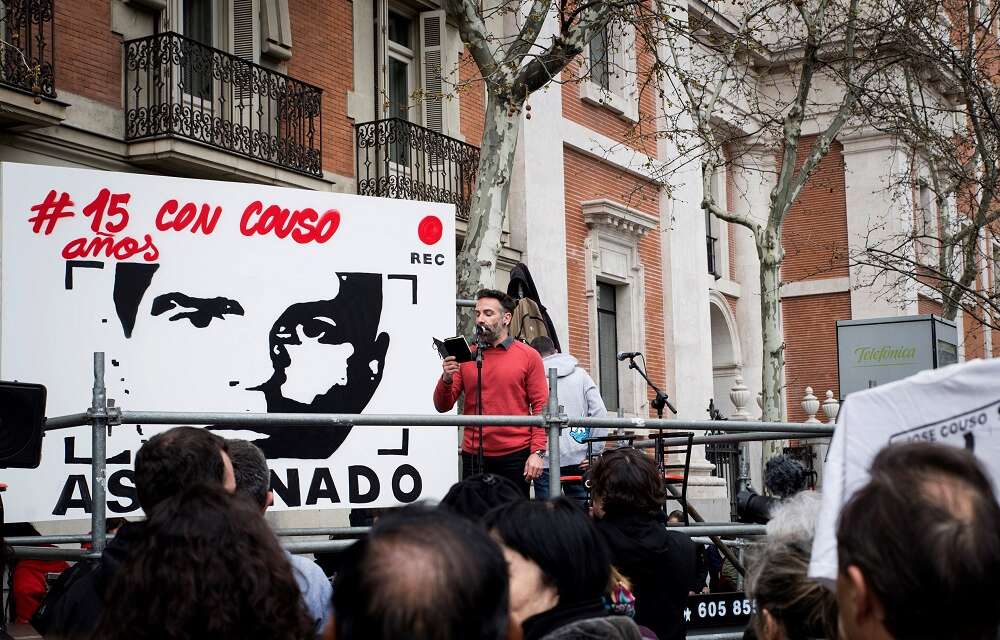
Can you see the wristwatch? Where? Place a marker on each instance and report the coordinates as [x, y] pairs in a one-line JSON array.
[[540, 453]]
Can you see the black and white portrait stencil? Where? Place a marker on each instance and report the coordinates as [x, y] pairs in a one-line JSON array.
[[242, 319]]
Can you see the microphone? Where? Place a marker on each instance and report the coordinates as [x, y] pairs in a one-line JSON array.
[[628, 355]]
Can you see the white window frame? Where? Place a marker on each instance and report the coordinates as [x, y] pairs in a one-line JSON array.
[[622, 97], [408, 55], [612, 245]]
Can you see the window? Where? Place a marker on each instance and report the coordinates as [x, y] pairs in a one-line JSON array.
[[927, 222], [400, 65], [616, 291], [399, 77], [197, 23], [600, 72], [714, 229], [415, 60], [607, 343], [611, 71], [712, 241]]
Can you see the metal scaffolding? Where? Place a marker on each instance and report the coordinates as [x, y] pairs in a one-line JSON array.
[[103, 415]]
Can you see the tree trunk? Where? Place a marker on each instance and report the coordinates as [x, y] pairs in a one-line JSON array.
[[477, 262], [773, 374]]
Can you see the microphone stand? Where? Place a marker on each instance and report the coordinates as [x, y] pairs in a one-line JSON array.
[[657, 403], [481, 346]]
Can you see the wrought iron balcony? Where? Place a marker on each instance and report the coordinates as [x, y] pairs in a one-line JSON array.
[[176, 86], [28, 63], [398, 159]]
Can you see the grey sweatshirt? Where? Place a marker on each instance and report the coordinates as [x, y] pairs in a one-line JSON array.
[[579, 397]]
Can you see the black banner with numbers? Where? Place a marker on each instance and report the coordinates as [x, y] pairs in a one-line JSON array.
[[719, 610]]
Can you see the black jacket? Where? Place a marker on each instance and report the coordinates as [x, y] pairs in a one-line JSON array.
[[73, 610], [579, 621], [660, 564]]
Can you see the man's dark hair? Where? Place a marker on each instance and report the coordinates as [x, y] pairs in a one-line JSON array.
[[170, 462], [561, 539], [253, 478], [477, 495], [924, 533], [422, 574], [626, 482], [505, 300], [543, 345]]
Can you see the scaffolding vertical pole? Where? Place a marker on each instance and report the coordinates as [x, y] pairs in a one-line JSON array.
[[553, 421], [99, 441]]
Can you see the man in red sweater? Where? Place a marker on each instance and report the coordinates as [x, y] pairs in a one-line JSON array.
[[513, 384]]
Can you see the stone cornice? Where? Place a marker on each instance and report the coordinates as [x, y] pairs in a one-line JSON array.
[[616, 217]]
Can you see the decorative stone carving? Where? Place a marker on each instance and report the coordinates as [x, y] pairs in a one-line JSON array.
[[810, 404], [831, 407], [740, 396], [617, 217]]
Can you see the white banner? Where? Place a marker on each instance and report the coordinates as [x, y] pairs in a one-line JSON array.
[[957, 405], [217, 296]]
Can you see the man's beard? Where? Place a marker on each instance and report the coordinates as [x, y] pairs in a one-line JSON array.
[[491, 334]]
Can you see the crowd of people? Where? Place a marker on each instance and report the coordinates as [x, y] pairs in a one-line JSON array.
[[918, 545], [919, 551]]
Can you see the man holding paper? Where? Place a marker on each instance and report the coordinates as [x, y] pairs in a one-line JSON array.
[[513, 383]]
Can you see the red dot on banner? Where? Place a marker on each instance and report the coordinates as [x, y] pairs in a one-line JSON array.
[[430, 229]]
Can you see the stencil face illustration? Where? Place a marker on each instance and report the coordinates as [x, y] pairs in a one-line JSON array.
[[301, 350], [338, 337]]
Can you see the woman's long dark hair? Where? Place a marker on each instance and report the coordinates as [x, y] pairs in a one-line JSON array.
[[558, 537], [208, 566]]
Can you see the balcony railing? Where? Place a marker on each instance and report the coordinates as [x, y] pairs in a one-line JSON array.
[[176, 86], [398, 159], [28, 63]]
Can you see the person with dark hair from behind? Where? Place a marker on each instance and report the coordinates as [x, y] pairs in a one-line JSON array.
[[477, 495], [513, 384], [421, 574], [919, 549], [559, 572], [253, 480], [208, 566], [628, 497], [789, 604], [166, 465]]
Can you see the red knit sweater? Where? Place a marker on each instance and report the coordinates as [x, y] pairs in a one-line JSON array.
[[513, 384]]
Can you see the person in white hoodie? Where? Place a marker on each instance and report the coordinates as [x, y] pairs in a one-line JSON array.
[[579, 397]]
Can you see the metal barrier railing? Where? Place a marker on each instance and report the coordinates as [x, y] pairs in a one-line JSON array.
[[103, 414]]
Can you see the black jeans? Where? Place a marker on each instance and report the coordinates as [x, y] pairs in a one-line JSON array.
[[510, 466]]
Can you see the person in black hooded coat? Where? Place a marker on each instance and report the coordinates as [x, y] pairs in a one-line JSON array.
[[628, 498]]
